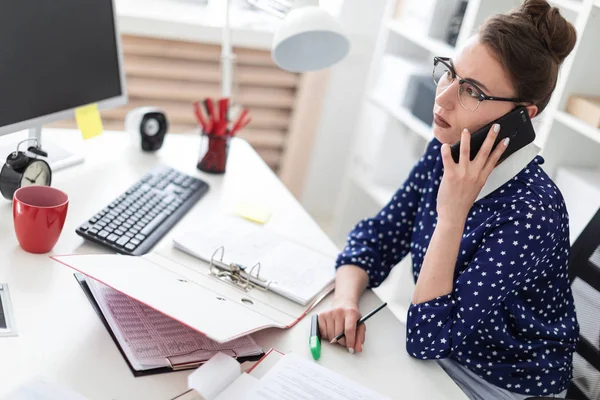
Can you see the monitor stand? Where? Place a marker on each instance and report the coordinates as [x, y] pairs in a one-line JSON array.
[[58, 157]]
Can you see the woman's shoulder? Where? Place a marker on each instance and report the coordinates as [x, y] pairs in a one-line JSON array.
[[531, 187], [538, 188]]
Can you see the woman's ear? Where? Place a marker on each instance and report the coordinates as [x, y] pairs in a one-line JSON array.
[[532, 110]]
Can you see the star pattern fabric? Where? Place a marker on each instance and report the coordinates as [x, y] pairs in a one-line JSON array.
[[510, 317]]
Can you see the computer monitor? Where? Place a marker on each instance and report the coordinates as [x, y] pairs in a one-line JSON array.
[[56, 56]]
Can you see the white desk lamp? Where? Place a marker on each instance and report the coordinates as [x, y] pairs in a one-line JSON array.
[[309, 39]]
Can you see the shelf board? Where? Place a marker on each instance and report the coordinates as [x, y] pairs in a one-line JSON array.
[[435, 46], [579, 126], [380, 193], [571, 5], [406, 117]]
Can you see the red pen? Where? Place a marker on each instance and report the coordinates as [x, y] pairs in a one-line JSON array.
[[222, 122], [200, 117], [239, 126], [223, 109], [210, 110], [241, 122]]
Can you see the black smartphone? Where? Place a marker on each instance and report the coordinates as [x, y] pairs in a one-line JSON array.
[[515, 125]]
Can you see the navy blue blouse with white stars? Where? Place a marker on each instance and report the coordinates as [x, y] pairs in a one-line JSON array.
[[510, 317]]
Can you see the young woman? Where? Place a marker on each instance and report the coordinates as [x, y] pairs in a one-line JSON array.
[[489, 241]]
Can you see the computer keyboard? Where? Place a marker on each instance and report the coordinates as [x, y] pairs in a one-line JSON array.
[[134, 222]]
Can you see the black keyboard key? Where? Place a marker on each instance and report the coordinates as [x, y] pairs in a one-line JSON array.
[[146, 178], [154, 224], [112, 238], [162, 185], [85, 227], [122, 241], [103, 234]]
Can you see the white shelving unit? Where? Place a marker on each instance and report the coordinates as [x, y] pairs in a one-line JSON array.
[[571, 5], [433, 45], [566, 141], [406, 117], [579, 126], [381, 194]]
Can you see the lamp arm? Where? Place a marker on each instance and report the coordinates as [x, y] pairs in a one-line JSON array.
[[227, 56]]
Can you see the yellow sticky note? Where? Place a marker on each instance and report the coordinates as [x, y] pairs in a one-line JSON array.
[[89, 121], [252, 213]]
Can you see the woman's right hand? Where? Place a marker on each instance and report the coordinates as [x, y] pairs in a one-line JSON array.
[[342, 318]]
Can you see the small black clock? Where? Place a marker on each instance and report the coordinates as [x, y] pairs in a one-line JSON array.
[[21, 169]]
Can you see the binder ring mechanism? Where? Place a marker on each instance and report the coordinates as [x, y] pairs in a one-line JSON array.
[[240, 276]]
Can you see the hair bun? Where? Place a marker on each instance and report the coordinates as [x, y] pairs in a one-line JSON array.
[[555, 31]]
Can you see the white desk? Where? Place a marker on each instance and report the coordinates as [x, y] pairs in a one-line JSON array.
[[62, 339]]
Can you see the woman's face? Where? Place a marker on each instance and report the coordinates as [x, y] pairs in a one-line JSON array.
[[476, 63]]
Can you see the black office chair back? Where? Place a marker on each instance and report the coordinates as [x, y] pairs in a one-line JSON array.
[[584, 275]]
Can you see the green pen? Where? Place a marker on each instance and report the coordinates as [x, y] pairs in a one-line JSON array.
[[314, 341]]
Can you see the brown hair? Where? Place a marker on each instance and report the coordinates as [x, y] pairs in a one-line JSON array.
[[531, 42]]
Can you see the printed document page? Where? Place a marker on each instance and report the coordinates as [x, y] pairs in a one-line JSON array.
[[149, 337], [295, 378]]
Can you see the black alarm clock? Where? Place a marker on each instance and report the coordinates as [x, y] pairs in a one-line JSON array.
[[22, 169]]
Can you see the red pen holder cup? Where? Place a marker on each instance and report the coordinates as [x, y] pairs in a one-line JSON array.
[[213, 154]]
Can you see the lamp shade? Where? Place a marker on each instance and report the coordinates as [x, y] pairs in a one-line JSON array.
[[309, 39]]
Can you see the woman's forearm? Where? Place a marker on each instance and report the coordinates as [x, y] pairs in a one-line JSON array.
[[350, 282], [437, 273]]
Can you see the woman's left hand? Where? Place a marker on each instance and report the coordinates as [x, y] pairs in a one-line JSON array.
[[463, 181]]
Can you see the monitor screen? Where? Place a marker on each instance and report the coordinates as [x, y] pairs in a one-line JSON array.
[[56, 55]]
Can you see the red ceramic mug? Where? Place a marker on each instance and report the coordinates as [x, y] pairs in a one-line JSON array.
[[39, 213]]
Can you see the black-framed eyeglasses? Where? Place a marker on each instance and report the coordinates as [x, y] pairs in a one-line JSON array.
[[469, 94]]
